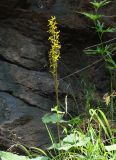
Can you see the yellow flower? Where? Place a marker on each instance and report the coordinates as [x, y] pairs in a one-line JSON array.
[[107, 97], [54, 53]]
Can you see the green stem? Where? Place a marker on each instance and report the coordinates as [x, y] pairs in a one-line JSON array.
[[56, 86], [112, 108], [57, 101]]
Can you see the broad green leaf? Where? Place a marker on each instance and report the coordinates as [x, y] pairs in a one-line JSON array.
[[56, 145], [111, 148], [40, 158], [52, 118], [68, 146], [61, 146], [71, 139], [11, 156]]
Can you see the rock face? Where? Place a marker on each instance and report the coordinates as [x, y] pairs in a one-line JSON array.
[[19, 120], [26, 89], [26, 86], [21, 50]]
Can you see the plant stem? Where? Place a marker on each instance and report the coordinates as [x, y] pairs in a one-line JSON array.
[[56, 86]]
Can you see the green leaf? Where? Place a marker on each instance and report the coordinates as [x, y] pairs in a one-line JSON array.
[[71, 139], [11, 156], [110, 30], [102, 120], [113, 157], [68, 146], [93, 17], [39, 150], [61, 146], [40, 158], [52, 118], [100, 4], [100, 28], [90, 51], [111, 148], [75, 121], [111, 63]]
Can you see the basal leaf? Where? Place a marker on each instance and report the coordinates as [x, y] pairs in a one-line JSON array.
[[71, 139], [52, 118], [11, 156]]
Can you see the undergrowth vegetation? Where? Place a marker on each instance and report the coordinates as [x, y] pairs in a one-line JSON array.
[[92, 137]]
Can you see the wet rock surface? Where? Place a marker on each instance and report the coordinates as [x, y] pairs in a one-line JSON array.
[[26, 86]]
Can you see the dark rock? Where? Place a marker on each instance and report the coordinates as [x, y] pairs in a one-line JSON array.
[[20, 122], [30, 86], [21, 50]]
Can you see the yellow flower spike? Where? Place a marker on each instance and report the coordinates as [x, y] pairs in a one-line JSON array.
[[54, 53]]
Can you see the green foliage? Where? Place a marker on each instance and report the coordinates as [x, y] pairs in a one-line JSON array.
[[87, 145], [93, 17], [111, 148], [72, 141], [102, 121], [52, 118], [100, 28], [97, 5], [75, 121], [78, 145], [11, 156], [105, 50]]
